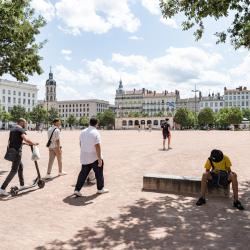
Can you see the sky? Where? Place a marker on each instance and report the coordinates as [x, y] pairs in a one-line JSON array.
[[93, 43]]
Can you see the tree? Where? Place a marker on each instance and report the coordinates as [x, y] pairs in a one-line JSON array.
[[197, 11], [246, 114], [206, 117], [84, 121], [107, 118], [222, 118], [18, 112], [18, 48], [71, 120], [52, 114], [184, 118], [38, 115], [235, 116], [6, 117]]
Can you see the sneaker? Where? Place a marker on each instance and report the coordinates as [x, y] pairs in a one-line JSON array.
[[201, 201], [62, 173], [3, 192], [102, 191], [78, 193], [23, 187], [48, 176], [238, 205]]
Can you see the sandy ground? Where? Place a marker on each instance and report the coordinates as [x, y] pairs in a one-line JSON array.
[[127, 218]]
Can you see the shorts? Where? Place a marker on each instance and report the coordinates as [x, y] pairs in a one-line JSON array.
[[165, 136], [220, 179]]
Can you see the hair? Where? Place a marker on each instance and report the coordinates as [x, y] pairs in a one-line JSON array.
[[216, 155], [21, 120], [167, 119], [56, 120], [93, 121]]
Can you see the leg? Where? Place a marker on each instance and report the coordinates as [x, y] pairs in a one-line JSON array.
[[82, 176], [12, 173], [169, 140], [51, 160], [164, 142], [205, 177], [59, 160], [98, 175], [233, 177], [20, 174]]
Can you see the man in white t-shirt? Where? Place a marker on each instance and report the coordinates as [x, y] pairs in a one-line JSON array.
[[55, 149], [91, 158]]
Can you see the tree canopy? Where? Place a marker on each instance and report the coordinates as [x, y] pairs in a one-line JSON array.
[[18, 47], [184, 117], [196, 11], [206, 117]]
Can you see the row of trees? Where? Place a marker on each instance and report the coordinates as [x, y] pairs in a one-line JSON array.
[[207, 118]]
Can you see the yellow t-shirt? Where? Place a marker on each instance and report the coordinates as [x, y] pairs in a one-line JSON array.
[[224, 165]]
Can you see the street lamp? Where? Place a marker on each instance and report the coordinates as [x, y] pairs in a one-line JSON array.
[[195, 90]]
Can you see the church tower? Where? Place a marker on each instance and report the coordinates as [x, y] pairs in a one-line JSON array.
[[50, 95], [120, 90]]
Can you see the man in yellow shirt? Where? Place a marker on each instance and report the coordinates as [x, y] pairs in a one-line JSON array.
[[218, 173]]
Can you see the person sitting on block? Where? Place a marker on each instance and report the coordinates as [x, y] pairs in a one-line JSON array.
[[218, 173]]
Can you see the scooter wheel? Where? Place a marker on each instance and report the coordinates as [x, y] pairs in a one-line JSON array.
[[41, 183], [14, 191]]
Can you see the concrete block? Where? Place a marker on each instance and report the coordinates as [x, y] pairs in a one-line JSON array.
[[185, 185]]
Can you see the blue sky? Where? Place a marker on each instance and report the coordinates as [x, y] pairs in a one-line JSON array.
[[92, 43]]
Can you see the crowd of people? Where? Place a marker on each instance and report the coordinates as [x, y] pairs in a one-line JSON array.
[[218, 166]]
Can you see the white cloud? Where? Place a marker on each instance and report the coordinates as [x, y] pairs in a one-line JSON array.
[[136, 38], [152, 6], [96, 16], [169, 22], [45, 8], [66, 53]]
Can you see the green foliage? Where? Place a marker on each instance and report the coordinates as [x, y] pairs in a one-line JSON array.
[[134, 114], [38, 115], [235, 116], [18, 48], [246, 113], [206, 117], [84, 121], [184, 118], [18, 112], [6, 117], [106, 119], [197, 11], [52, 114], [71, 120]]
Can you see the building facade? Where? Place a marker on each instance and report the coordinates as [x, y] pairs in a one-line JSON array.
[[214, 102], [17, 94], [239, 97], [144, 101]]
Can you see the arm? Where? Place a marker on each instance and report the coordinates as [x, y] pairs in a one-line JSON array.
[[28, 141], [99, 154]]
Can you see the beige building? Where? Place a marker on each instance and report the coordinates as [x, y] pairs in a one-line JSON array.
[[144, 101], [144, 122], [214, 102]]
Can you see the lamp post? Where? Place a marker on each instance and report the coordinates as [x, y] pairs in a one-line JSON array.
[[195, 90]]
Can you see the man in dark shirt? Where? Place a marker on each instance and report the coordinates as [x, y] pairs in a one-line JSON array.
[[16, 138], [166, 133]]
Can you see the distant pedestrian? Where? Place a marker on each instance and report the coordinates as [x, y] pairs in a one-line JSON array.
[[166, 133], [55, 148], [91, 158], [16, 138]]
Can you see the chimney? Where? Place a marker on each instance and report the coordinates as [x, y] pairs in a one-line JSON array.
[[154, 93], [165, 92]]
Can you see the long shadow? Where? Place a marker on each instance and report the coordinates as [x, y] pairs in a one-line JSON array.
[[22, 193], [170, 222], [80, 201], [3, 172]]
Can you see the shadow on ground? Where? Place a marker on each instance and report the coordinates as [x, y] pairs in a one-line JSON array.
[[169, 222]]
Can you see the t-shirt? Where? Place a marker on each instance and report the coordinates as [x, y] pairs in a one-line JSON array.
[[16, 140], [224, 165], [165, 128], [88, 139], [55, 136]]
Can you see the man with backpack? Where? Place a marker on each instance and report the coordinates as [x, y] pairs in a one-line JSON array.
[[166, 133], [218, 173]]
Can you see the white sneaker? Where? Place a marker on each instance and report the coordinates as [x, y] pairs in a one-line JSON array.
[[48, 176], [78, 193], [102, 191], [62, 173], [23, 187], [3, 192]]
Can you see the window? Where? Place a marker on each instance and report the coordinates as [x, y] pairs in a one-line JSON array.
[[33, 95], [28, 101], [24, 94], [33, 102], [14, 100], [3, 99], [19, 100], [9, 100], [28, 94], [24, 101], [9, 92], [14, 92], [3, 91], [19, 93]]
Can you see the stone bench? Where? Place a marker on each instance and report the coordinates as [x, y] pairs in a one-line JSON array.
[[184, 185]]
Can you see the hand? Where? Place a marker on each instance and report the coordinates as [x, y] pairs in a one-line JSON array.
[[100, 163]]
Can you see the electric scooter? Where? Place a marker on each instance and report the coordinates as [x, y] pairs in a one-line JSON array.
[[38, 181]]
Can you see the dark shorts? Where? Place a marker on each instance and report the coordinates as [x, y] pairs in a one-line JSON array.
[[220, 179], [165, 136]]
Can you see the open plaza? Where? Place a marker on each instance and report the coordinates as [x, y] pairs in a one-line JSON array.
[[127, 217]]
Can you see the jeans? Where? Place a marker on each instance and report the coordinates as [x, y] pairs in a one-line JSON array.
[[17, 166], [85, 172]]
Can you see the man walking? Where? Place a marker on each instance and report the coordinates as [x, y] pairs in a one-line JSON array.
[[55, 149], [16, 138], [166, 133], [91, 158]]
